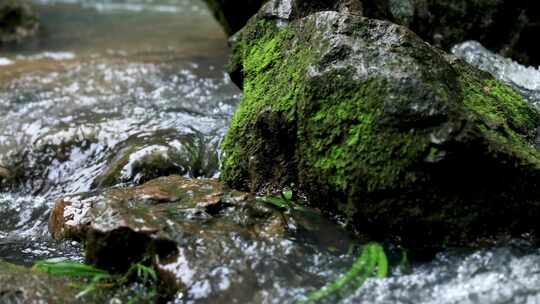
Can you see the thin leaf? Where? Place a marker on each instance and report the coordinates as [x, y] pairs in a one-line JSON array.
[[372, 258], [287, 195], [71, 269]]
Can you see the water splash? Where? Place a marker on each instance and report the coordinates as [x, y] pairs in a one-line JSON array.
[[500, 275]]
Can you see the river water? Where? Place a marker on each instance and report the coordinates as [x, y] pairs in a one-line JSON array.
[[106, 76]]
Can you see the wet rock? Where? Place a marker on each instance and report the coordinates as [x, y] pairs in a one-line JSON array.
[[41, 165], [17, 21], [373, 123], [208, 242], [525, 79], [6, 178], [233, 15], [141, 158], [506, 27], [23, 285]]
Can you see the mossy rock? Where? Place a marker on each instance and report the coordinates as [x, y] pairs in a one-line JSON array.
[[17, 21], [371, 123]]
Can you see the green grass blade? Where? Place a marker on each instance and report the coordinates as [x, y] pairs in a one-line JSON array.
[[372, 258], [66, 268]]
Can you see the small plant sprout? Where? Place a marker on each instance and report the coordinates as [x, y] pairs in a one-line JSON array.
[[285, 201], [97, 278]]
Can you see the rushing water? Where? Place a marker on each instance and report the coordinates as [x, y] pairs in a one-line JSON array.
[[106, 77]]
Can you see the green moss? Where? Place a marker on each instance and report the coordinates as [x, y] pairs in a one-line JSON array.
[[384, 147], [507, 120], [273, 80], [349, 146]]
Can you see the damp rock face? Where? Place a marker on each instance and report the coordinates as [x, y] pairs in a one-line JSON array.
[[506, 27], [17, 21], [20, 285], [233, 15], [370, 122], [207, 242]]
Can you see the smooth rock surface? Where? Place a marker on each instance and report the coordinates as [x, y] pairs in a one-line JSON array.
[[209, 243], [144, 157]]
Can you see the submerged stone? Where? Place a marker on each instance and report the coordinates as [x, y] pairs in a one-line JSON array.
[[17, 21], [372, 123], [207, 241], [141, 158]]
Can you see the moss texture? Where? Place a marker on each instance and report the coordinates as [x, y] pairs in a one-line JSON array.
[[373, 124]]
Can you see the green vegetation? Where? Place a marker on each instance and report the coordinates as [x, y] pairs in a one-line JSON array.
[[508, 121], [96, 279], [372, 262], [285, 201]]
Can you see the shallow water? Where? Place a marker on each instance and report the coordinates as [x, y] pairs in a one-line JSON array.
[[106, 75]]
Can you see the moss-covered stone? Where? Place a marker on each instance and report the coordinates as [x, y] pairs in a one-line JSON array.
[[374, 124], [17, 21]]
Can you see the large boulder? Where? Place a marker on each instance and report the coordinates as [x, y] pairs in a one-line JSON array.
[[17, 21], [503, 26], [374, 124]]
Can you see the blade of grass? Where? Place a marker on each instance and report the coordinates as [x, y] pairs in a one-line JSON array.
[[70, 269], [372, 258]]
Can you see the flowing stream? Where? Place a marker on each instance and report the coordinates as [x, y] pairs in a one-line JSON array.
[[106, 77]]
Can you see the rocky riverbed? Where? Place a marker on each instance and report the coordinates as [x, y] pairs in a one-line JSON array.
[[112, 122]]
